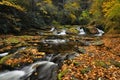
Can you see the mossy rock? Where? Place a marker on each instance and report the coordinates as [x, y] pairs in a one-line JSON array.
[[92, 30], [72, 30]]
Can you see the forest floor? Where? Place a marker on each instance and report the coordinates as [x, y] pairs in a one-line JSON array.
[[99, 62]]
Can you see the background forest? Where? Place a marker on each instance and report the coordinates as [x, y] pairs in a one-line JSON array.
[[19, 15]]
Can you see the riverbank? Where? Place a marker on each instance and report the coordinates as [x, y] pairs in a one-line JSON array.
[[99, 62]]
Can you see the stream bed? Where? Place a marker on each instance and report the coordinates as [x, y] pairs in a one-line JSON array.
[[41, 59]]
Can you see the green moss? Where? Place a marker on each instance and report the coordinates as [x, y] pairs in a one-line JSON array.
[[115, 63], [25, 37], [5, 58], [17, 39], [12, 40], [12, 5], [102, 64], [61, 74], [73, 30], [76, 63], [85, 70]]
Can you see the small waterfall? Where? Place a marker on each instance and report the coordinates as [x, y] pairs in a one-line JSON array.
[[49, 57], [55, 32], [52, 29], [44, 67], [63, 32], [81, 31], [100, 32], [54, 41], [4, 54]]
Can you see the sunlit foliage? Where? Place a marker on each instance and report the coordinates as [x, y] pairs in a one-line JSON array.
[[72, 8], [11, 5], [68, 12], [111, 10], [47, 10], [95, 10]]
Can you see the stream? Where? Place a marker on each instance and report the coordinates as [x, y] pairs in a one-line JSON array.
[[59, 47]]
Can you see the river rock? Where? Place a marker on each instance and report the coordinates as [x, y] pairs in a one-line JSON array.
[[97, 43], [80, 50]]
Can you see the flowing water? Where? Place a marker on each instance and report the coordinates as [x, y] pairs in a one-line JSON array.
[[100, 32], [4, 54], [52, 29], [54, 41], [63, 32], [44, 67], [82, 32]]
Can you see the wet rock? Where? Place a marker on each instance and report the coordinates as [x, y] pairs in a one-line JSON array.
[[80, 50], [56, 48], [72, 55], [45, 71], [61, 57], [6, 67], [72, 31], [92, 30], [83, 42]]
